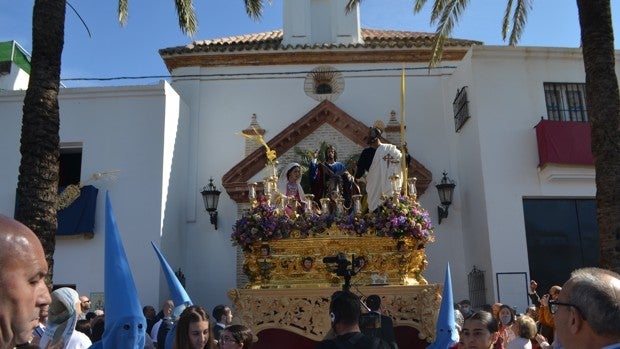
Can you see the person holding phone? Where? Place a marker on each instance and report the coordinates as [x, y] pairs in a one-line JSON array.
[[545, 317]]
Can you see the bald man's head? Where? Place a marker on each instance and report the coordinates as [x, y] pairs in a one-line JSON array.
[[22, 282], [15, 239]]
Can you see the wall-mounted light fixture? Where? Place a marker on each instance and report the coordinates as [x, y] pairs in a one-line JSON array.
[[211, 196], [445, 189]]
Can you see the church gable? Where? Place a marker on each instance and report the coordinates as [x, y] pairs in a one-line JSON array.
[[324, 123]]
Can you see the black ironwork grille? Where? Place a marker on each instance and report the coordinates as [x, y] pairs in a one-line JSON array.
[[460, 108], [566, 101]]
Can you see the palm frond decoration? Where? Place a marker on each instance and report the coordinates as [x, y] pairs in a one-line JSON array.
[[72, 191]]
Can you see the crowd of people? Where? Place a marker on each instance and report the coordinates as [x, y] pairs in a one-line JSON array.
[[583, 313]]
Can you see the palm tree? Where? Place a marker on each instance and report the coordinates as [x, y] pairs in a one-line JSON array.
[[37, 184], [603, 98]]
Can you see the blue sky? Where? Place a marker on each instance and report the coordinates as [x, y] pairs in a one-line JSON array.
[[115, 51]]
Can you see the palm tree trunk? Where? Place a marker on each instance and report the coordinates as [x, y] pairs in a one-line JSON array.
[[37, 184], [603, 101]]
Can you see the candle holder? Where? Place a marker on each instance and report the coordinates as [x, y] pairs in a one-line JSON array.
[[271, 169], [274, 187], [396, 184], [339, 206], [267, 188], [411, 188], [252, 194], [325, 205], [357, 204], [309, 201]]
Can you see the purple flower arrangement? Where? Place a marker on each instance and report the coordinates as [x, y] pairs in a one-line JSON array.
[[262, 223], [402, 219], [354, 223], [314, 224], [396, 219]]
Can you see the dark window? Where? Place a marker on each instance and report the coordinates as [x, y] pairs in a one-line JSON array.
[[566, 101], [5, 67], [562, 235], [70, 166], [460, 106], [323, 89]]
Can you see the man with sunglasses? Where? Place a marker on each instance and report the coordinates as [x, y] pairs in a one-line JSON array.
[[84, 307], [587, 312]]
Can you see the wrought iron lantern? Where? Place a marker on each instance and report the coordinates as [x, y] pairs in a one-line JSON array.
[[211, 196], [445, 189]]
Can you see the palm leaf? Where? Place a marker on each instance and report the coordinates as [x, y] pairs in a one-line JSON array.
[[438, 9], [187, 16], [519, 19], [351, 4], [506, 19], [254, 8], [417, 5], [448, 16], [122, 11]]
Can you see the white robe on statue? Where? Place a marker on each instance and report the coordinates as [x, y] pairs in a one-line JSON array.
[[385, 164]]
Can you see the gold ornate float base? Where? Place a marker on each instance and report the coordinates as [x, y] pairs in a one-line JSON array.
[[298, 262], [304, 311]]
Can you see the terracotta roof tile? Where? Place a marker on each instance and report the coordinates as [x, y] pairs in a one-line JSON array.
[[272, 41]]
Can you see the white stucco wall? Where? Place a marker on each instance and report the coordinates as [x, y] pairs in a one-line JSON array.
[[130, 129], [16, 79], [498, 154], [320, 22]]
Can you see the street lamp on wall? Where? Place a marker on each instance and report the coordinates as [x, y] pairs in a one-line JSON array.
[[445, 189], [211, 196]]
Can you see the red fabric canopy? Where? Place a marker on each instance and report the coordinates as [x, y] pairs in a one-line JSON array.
[[564, 142], [406, 337]]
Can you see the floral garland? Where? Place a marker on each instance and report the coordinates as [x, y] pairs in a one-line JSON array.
[[402, 219], [397, 219], [263, 223]]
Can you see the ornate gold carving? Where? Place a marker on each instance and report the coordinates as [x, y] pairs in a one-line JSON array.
[[304, 311], [279, 263]]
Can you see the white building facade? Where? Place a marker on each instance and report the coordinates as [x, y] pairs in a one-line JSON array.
[[168, 140]]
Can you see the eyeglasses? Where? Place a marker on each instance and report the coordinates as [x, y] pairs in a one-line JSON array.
[[225, 340], [553, 307]]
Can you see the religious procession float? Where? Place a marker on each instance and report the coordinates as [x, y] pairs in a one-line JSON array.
[[297, 252]]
